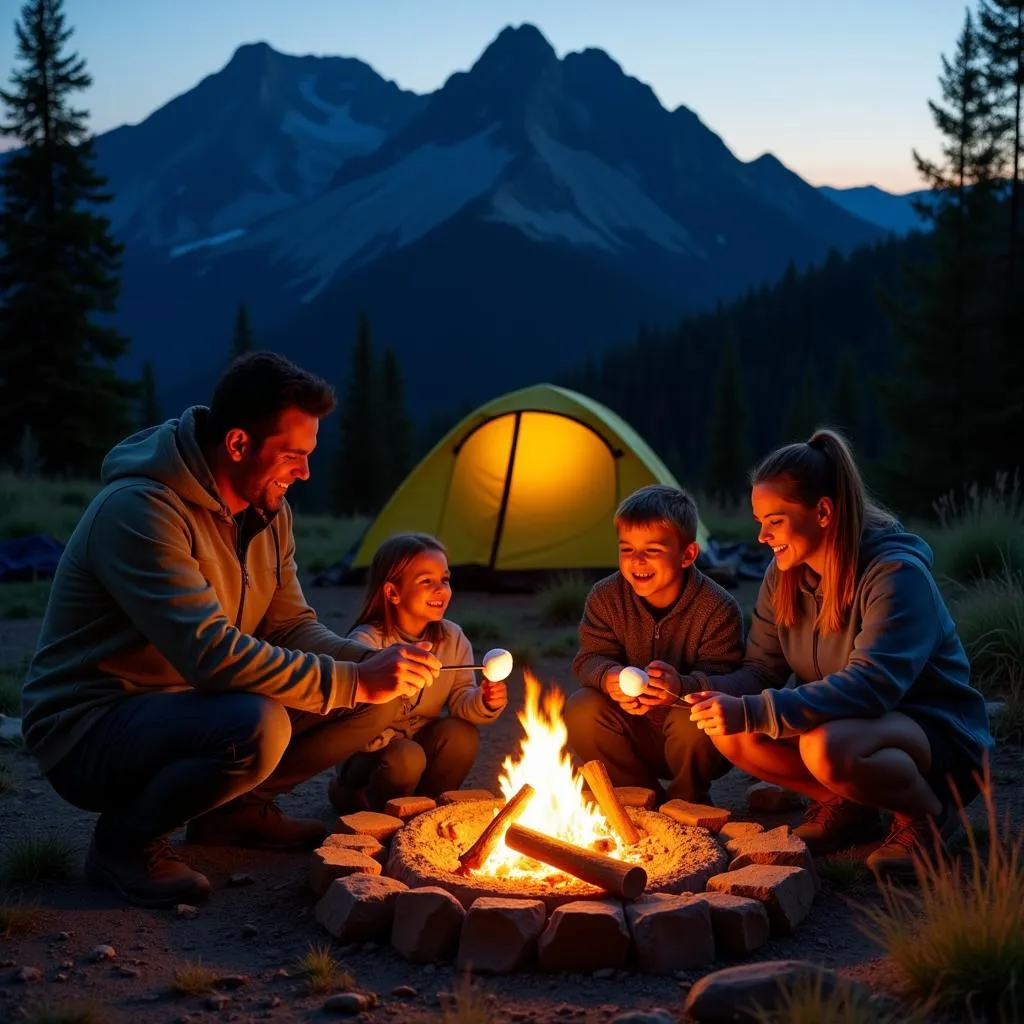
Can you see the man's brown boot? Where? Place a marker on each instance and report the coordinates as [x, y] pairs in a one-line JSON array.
[[839, 823], [256, 823], [150, 875], [913, 840]]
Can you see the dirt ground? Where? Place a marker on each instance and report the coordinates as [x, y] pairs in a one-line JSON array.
[[259, 930]]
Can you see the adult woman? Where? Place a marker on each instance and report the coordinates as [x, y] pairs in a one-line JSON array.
[[883, 715]]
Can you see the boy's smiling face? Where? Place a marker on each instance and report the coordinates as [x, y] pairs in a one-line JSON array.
[[652, 558]]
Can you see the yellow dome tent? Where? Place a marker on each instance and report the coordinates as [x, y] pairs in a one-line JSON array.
[[529, 481]]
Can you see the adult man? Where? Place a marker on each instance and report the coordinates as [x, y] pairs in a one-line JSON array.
[[180, 674]]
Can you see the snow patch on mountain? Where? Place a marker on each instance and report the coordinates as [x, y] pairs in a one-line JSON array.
[[205, 243], [353, 223], [338, 128]]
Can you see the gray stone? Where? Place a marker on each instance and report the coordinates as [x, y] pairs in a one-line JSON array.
[[739, 925], [359, 908], [186, 910], [670, 933], [331, 862], [699, 815], [778, 846], [767, 798], [787, 893], [102, 953], [28, 975], [217, 1001], [427, 925], [350, 1002], [369, 823], [499, 935], [404, 992], [240, 878], [656, 1015], [584, 936], [735, 829], [407, 807], [363, 844]]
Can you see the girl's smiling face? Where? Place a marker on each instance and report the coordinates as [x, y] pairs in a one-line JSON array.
[[422, 593], [795, 533]]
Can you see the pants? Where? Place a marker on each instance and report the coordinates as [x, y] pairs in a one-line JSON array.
[[439, 758], [639, 752], [155, 761]]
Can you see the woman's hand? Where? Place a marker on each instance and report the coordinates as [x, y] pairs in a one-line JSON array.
[[718, 714], [663, 687], [495, 695]]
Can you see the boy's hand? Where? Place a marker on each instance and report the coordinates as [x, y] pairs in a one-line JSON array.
[[631, 705], [401, 670], [718, 714], [495, 695], [664, 687]]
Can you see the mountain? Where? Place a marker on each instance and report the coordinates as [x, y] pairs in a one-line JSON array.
[[889, 211], [266, 131], [529, 213]]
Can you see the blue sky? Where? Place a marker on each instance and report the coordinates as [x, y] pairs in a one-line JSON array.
[[838, 91]]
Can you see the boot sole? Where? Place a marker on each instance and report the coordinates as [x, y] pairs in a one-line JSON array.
[[101, 876]]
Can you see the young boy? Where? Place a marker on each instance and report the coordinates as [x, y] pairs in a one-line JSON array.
[[659, 612]]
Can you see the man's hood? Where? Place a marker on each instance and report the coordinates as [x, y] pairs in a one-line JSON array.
[[171, 455]]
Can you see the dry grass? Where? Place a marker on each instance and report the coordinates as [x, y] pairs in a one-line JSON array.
[[809, 1002], [36, 505], [321, 540], [468, 1004], [323, 971], [71, 1011], [35, 860], [841, 874], [18, 919], [193, 979], [990, 620], [561, 602], [959, 938]]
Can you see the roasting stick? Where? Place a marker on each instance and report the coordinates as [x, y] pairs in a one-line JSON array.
[[601, 786], [477, 854], [620, 879]]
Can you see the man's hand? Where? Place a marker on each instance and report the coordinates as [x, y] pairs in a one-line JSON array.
[[401, 670], [631, 705], [664, 686], [718, 714], [495, 695]]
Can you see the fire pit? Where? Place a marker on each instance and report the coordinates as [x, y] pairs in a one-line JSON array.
[[675, 857]]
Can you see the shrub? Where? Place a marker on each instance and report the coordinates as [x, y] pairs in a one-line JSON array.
[[71, 1011], [193, 979], [467, 1005], [38, 860], [36, 505], [321, 540], [990, 620], [727, 522], [1008, 724], [960, 938], [322, 970], [564, 647], [842, 873], [561, 601], [480, 628], [808, 1002]]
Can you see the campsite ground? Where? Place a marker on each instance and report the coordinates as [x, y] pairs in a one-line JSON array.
[[260, 930]]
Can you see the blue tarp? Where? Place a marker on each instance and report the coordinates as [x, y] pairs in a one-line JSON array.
[[29, 558]]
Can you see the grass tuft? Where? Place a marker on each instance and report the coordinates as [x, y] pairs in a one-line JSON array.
[[990, 620], [18, 919], [38, 860], [842, 873], [323, 971], [808, 1002], [193, 979], [959, 938], [561, 601], [71, 1011], [481, 628], [468, 1004]]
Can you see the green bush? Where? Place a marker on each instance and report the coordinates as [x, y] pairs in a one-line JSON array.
[[321, 540], [990, 620], [481, 629], [37, 505], [561, 601], [727, 522]]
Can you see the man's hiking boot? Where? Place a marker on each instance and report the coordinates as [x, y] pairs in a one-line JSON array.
[[151, 875], [839, 823], [256, 823], [346, 800], [914, 839]]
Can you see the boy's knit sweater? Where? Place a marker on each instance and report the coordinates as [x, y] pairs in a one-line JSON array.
[[700, 635]]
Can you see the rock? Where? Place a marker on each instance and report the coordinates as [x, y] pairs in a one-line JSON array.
[[729, 995], [735, 829], [778, 846], [584, 936], [404, 992], [359, 908], [701, 815], [670, 933], [331, 862], [635, 796], [102, 953], [739, 925], [64, 936], [217, 1001], [128, 972], [499, 935], [350, 1002], [28, 975], [366, 845], [60, 976], [656, 1015], [603, 972], [249, 931], [767, 798], [427, 924], [787, 893], [240, 878], [232, 981], [407, 807], [186, 910], [455, 796], [370, 823]]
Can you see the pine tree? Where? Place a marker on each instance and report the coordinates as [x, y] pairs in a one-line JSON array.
[[848, 412], [394, 425], [804, 415], [149, 406], [242, 339], [58, 263], [359, 471], [729, 452]]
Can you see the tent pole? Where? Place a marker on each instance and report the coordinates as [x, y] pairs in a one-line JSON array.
[[503, 508]]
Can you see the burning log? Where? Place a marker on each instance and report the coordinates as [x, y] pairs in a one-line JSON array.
[[601, 786], [478, 853], [625, 880]]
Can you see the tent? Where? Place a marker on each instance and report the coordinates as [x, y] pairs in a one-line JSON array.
[[529, 481]]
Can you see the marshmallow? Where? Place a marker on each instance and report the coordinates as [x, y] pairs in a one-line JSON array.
[[633, 681], [497, 665]]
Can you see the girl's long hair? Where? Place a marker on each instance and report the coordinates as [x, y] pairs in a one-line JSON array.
[[824, 467], [391, 559]]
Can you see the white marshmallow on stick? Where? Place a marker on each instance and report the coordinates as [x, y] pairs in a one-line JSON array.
[[497, 665], [633, 681]]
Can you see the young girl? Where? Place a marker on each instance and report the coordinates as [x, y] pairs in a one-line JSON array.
[[883, 715], [407, 593]]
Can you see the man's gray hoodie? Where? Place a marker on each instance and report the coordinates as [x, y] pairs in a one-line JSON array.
[[898, 651]]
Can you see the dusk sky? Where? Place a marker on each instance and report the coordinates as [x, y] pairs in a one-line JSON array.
[[837, 91]]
